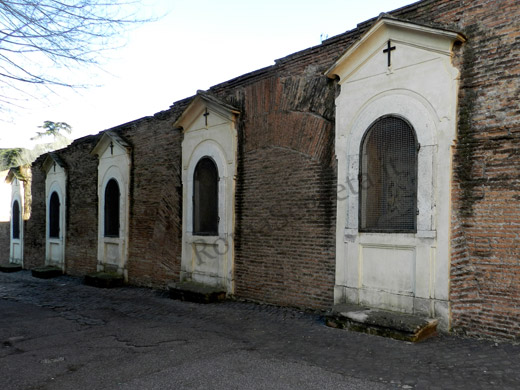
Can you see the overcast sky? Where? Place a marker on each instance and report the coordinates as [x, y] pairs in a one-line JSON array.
[[199, 43]]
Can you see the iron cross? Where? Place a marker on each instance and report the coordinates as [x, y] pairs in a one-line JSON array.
[[388, 50], [206, 116]]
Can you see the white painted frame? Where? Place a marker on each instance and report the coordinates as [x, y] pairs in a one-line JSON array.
[[56, 179], [209, 131], [370, 89], [411, 107], [16, 247], [114, 163], [213, 150]]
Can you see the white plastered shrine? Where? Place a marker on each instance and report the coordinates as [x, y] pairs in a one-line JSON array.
[[406, 272], [55, 185], [209, 128], [114, 164], [17, 202]]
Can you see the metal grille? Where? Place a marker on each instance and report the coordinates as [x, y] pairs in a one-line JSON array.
[[388, 177]]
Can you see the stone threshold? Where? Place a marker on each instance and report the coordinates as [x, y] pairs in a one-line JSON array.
[[104, 279], [10, 267], [195, 292], [46, 272], [399, 326]]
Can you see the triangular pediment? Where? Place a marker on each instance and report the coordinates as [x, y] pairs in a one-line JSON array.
[[53, 161], [18, 173], [205, 111], [112, 141], [409, 44]]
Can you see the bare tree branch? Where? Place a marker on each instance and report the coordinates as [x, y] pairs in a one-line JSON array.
[[37, 37]]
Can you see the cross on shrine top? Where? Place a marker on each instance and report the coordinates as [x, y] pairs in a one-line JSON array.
[[388, 50], [206, 116]]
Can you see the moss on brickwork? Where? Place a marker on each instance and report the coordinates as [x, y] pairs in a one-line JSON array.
[[467, 143]]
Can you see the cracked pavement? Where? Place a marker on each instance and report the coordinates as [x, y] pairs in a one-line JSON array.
[[61, 334]]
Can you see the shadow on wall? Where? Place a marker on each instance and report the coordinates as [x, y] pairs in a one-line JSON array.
[[4, 241]]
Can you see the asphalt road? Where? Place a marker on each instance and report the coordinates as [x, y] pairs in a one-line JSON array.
[[61, 334]]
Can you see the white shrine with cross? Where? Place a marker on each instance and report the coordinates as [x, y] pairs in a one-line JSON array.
[[210, 135], [55, 201], [113, 203], [401, 70]]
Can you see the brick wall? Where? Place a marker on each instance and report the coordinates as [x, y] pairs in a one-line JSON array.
[[5, 231], [81, 212], [285, 229], [485, 275], [285, 200], [156, 200], [485, 285], [155, 203], [34, 223]]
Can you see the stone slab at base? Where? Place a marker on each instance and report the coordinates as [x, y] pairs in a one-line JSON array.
[[10, 267], [104, 279], [196, 292], [46, 272], [399, 326]]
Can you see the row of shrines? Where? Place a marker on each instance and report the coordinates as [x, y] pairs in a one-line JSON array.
[[380, 168]]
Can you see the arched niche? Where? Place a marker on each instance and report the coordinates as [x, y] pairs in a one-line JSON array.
[[55, 201], [209, 149], [17, 178], [405, 270], [113, 202]]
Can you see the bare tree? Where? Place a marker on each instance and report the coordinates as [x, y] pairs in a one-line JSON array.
[[40, 40]]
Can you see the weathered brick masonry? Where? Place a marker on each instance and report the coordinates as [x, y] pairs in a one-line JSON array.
[[279, 141], [286, 191], [155, 203], [485, 275], [485, 280], [34, 225], [155, 199], [286, 184], [81, 210], [286, 180], [5, 232]]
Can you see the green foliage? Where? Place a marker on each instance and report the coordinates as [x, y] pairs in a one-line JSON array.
[[15, 157], [54, 129], [11, 158]]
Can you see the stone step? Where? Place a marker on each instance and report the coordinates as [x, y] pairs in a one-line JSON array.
[[10, 267], [196, 292], [104, 279], [46, 272], [399, 326]]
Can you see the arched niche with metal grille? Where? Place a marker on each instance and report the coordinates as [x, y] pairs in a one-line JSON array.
[[16, 220], [112, 201], [54, 216], [388, 177], [205, 198]]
